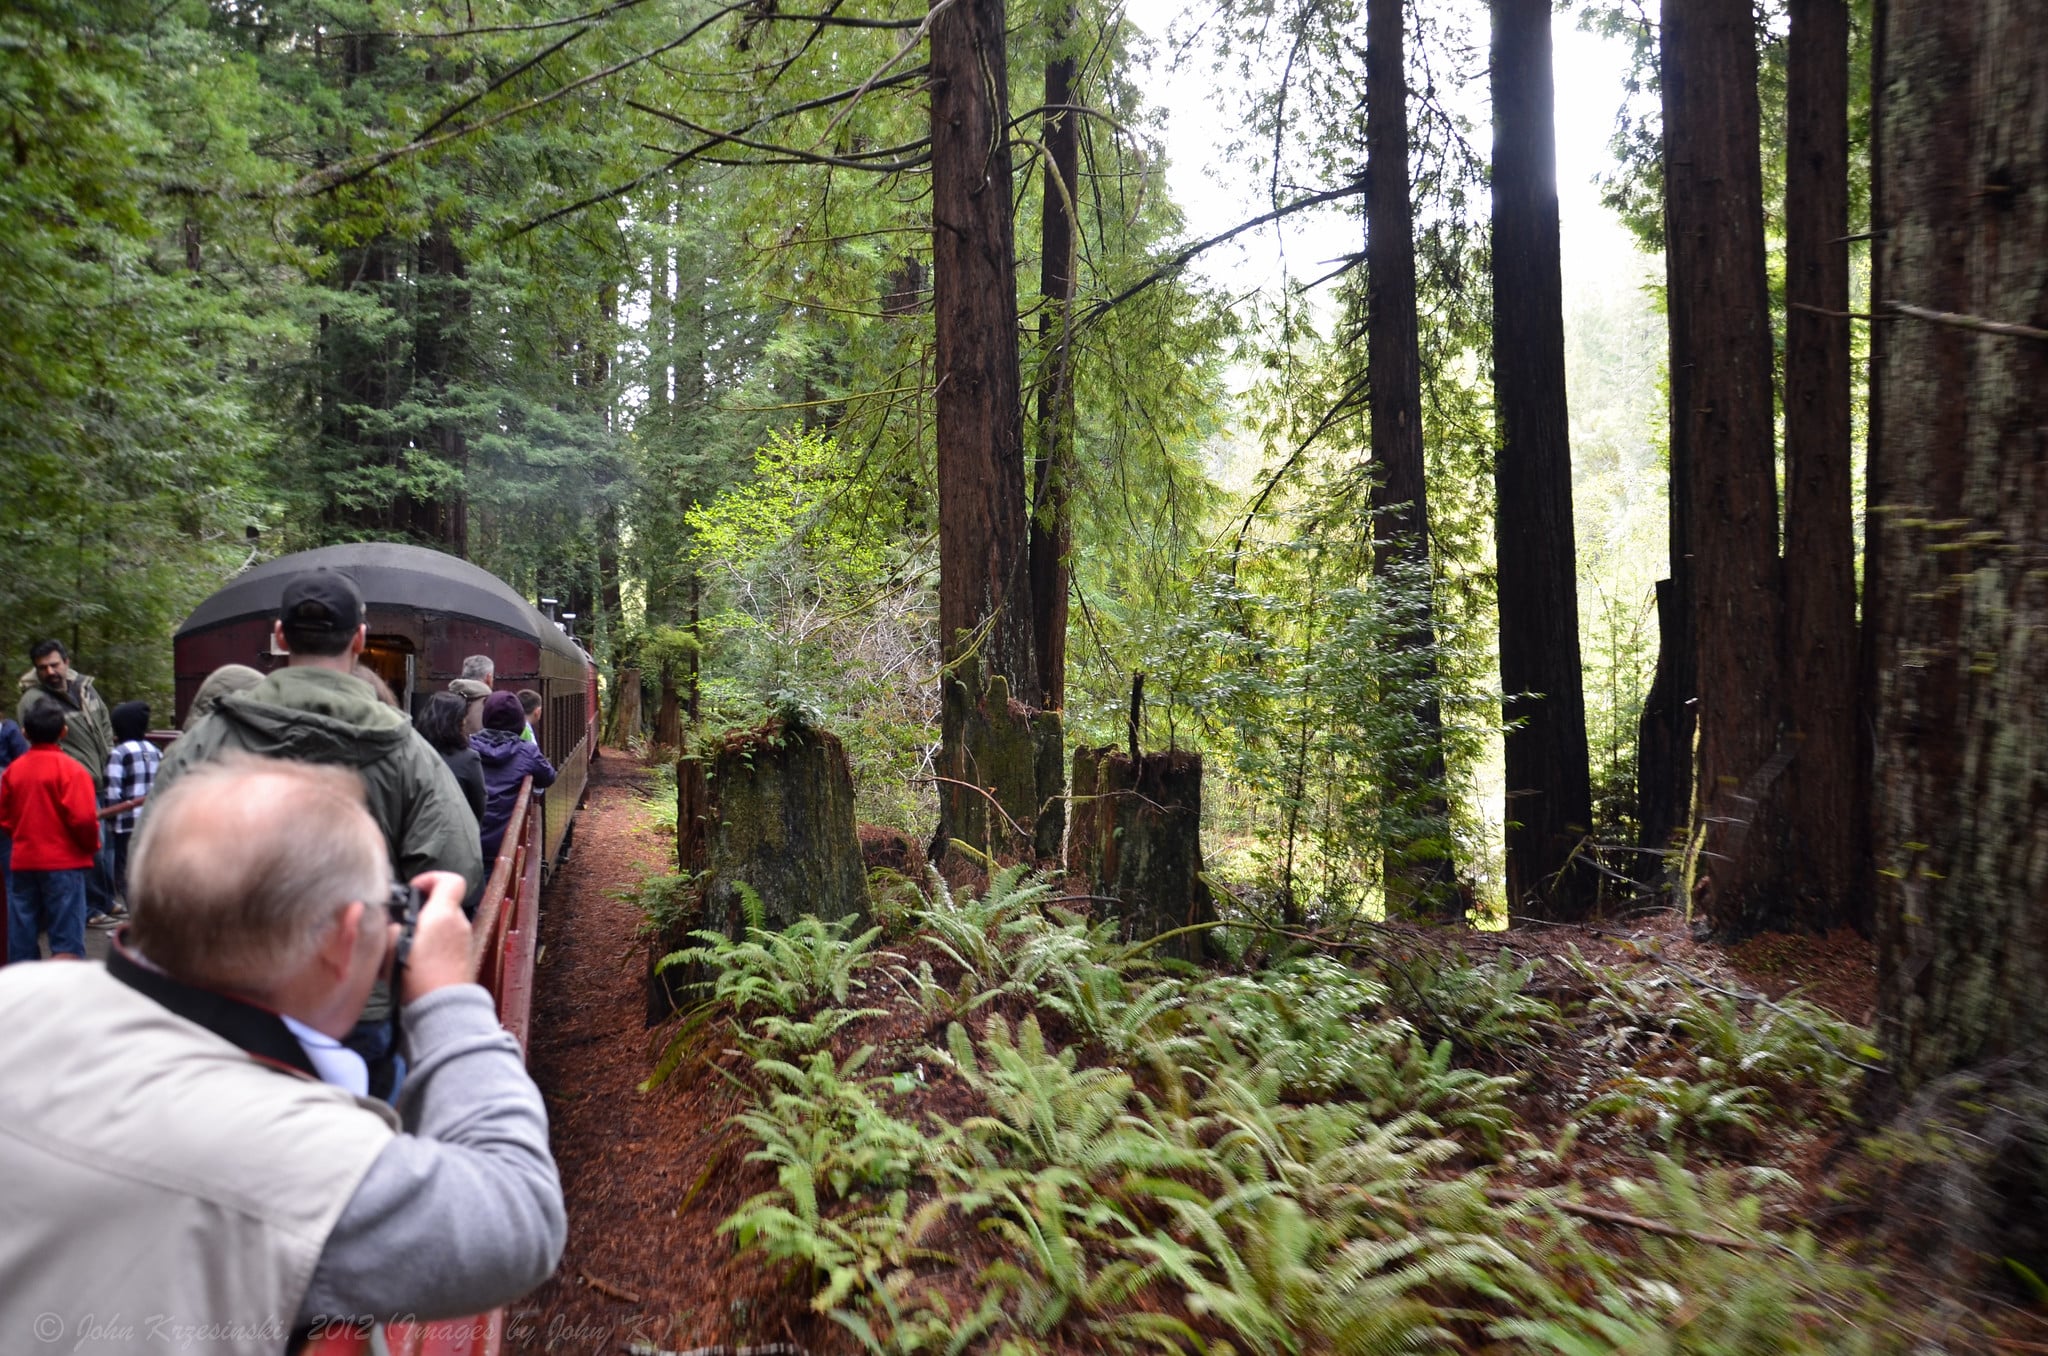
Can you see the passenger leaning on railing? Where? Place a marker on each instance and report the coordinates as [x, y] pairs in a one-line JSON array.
[[186, 1145], [508, 760]]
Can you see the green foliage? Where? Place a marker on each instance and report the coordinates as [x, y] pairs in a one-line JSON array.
[[1733, 1056], [139, 285], [1764, 1292], [1481, 1007], [785, 971], [666, 903], [1698, 1104], [1278, 1160], [1297, 670]]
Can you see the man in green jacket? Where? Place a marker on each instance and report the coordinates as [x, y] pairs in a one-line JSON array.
[[88, 727], [314, 710]]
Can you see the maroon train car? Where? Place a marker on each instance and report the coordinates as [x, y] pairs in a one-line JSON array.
[[427, 612]]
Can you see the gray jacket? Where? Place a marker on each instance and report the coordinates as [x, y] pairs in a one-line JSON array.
[[464, 1212]]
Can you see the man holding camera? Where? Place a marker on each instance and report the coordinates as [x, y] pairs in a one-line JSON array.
[[184, 1140]]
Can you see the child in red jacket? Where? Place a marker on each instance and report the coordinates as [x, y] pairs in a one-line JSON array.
[[47, 804]]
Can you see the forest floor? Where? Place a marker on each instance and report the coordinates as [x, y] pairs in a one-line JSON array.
[[650, 1176]]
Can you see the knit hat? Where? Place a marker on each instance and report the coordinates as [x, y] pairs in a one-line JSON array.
[[469, 689], [503, 712], [130, 720]]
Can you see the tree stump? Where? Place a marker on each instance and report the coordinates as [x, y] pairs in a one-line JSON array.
[[1137, 840], [770, 808], [1000, 783]]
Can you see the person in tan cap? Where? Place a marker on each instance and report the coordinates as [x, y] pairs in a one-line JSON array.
[[479, 671]]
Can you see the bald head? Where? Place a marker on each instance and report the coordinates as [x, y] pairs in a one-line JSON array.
[[243, 866]]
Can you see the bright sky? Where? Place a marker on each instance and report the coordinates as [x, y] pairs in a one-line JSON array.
[[1202, 111]]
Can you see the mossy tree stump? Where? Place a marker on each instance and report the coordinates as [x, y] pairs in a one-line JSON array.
[[770, 808], [625, 720], [1000, 784], [1137, 840]]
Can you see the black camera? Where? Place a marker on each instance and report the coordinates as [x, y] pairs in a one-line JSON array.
[[404, 903]]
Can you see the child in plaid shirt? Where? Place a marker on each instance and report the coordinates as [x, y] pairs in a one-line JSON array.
[[131, 770]]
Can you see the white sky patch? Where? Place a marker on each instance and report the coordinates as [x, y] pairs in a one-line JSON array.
[[1202, 108]]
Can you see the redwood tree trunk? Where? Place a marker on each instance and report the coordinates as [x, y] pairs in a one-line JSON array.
[[1877, 490], [1665, 730], [1823, 800], [1961, 823], [439, 361], [984, 528], [1051, 526], [1549, 787], [1722, 400], [1418, 875]]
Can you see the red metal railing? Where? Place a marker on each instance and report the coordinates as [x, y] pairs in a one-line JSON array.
[[501, 957]]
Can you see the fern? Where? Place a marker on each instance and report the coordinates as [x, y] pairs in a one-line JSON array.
[[1049, 1113], [784, 971]]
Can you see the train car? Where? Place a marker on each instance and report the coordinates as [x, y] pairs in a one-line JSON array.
[[427, 611]]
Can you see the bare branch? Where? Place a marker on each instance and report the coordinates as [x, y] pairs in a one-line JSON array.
[[337, 176], [699, 151], [2008, 328], [1180, 258]]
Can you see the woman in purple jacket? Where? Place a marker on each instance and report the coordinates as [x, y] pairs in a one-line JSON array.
[[508, 760]]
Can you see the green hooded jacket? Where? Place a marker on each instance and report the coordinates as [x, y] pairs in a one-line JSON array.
[[316, 715], [88, 726]]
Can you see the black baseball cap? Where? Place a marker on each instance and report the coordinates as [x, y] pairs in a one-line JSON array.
[[322, 600]]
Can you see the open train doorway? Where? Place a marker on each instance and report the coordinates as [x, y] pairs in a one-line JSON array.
[[393, 659]]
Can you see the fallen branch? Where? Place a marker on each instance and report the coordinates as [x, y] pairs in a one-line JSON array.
[[981, 791], [1599, 1215], [604, 1287]]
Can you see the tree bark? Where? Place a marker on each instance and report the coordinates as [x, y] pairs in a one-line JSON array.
[[1051, 528], [1877, 490], [1549, 797], [1822, 794], [1664, 730], [1722, 406], [1961, 824], [985, 612], [1008, 805], [770, 809], [1137, 841], [1417, 877]]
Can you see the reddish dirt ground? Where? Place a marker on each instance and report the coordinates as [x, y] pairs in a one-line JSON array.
[[647, 1176]]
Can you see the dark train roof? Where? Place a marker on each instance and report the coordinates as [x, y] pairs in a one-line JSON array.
[[390, 574]]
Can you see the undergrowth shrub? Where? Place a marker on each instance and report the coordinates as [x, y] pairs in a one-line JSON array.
[[1288, 1161]]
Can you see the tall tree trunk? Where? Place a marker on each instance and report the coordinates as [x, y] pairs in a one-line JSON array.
[[1961, 791], [1418, 877], [1822, 793], [1877, 491], [1550, 794], [438, 362], [985, 611], [1665, 731], [1051, 527], [1723, 401]]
